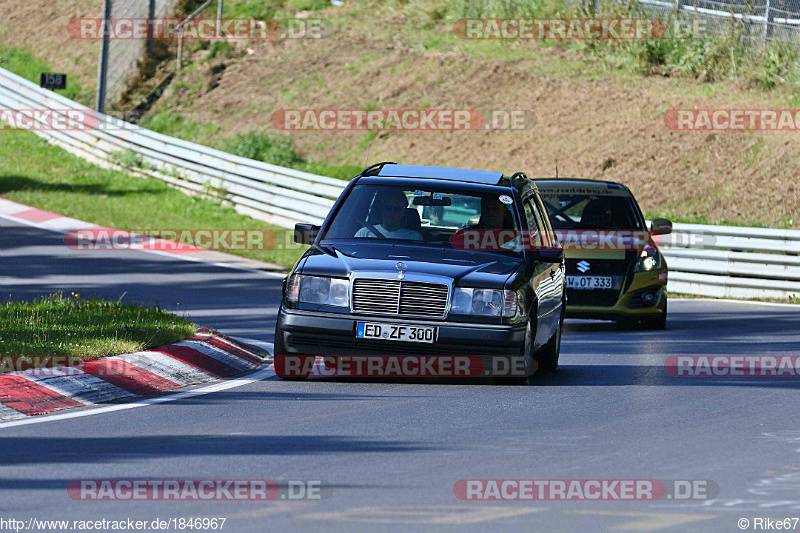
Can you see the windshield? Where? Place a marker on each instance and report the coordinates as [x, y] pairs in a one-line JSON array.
[[590, 208], [422, 215]]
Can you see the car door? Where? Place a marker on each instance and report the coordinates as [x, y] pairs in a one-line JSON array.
[[558, 271], [543, 281]]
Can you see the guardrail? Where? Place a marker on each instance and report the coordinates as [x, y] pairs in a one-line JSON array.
[[732, 261], [704, 260], [275, 194], [762, 21]]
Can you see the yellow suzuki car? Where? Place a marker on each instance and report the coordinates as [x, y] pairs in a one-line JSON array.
[[614, 268]]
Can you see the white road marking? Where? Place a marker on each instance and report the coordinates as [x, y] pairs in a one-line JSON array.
[[649, 521], [7, 413], [7, 207], [731, 301], [424, 514]]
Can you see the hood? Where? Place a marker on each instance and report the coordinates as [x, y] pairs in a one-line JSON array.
[[466, 268]]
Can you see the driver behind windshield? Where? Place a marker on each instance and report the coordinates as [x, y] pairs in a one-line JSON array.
[[392, 205]]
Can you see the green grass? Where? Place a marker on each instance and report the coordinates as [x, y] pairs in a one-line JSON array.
[[258, 9], [86, 328], [706, 57], [255, 145], [23, 63], [174, 125], [35, 173]]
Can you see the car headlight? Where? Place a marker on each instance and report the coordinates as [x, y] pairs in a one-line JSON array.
[[484, 302], [649, 258], [318, 290]]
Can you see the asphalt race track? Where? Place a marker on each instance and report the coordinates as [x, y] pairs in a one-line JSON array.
[[391, 452]]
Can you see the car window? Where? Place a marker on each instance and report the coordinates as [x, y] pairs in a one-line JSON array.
[[547, 228], [590, 208], [422, 214], [534, 223]]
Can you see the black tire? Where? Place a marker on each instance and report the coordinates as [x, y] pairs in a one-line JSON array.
[[547, 356], [526, 352], [656, 323], [280, 360]]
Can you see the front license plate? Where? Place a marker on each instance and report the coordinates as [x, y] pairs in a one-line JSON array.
[[395, 332], [590, 282]]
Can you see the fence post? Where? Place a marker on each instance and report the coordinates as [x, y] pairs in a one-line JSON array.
[[767, 22], [151, 14], [219, 17], [102, 67]]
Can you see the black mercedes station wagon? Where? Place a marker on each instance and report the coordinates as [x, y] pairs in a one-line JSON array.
[[418, 261]]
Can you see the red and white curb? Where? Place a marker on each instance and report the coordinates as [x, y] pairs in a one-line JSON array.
[[60, 224], [204, 357]]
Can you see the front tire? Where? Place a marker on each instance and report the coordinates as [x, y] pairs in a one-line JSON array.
[[529, 363], [547, 356]]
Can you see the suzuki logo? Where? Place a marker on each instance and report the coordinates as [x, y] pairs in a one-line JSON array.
[[401, 267], [584, 266]]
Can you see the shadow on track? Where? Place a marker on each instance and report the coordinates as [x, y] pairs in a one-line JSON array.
[[626, 375], [85, 450]]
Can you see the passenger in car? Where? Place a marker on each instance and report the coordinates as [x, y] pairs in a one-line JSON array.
[[393, 204], [494, 215]]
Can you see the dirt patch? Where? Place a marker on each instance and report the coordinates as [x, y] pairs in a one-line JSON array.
[[591, 128], [592, 124], [40, 26]]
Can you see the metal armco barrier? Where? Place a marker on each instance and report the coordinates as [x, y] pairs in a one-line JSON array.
[[704, 260], [275, 194], [732, 261]]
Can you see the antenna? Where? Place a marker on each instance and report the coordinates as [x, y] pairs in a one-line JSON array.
[[369, 149], [556, 169]]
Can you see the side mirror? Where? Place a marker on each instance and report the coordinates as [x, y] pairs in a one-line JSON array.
[[550, 255], [660, 226], [305, 233]]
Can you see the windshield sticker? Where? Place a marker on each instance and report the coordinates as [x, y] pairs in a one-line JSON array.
[[437, 196], [551, 191], [419, 193], [506, 199]]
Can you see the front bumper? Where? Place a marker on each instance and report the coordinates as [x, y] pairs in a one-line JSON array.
[[319, 333], [480, 350], [629, 305]]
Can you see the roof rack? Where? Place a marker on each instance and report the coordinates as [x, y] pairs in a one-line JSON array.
[[373, 170]]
